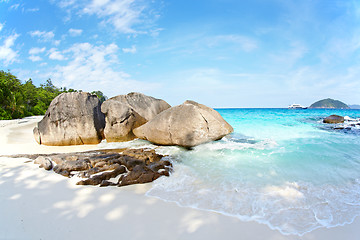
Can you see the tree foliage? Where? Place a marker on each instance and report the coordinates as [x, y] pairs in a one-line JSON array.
[[100, 95], [18, 100]]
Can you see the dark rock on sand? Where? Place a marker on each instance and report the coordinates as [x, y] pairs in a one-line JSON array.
[[187, 125], [126, 112], [66, 167], [147, 156], [139, 174], [100, 178], [44, 162], [114, 167], [72, 119], [334, 119]]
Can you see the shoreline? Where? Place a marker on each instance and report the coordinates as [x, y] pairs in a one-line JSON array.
[[41, 204], [17, 135]]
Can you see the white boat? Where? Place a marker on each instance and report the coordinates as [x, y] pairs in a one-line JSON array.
[[296, 106]]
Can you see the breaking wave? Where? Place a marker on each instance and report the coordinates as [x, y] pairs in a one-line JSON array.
[[217, 177]]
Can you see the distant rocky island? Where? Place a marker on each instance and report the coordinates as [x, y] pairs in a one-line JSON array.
[[329, 103], [354, 106]]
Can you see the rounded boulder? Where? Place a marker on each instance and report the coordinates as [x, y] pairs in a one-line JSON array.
[[71, 119], [334, 119], [124, 113], [186, 125]]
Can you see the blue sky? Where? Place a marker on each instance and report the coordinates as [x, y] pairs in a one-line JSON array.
[[222, 53]]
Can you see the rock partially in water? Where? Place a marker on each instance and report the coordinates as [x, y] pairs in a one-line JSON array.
[[139, 174], [334, 119], [186, 125]]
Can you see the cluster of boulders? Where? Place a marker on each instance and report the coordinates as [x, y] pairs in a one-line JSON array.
[[342, 123], [79, 118], [112, 167]]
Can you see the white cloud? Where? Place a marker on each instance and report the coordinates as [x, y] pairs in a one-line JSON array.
[[54, 54], [341, 47], [35, 50], [287, 58], [155, 32], [14, 7], [45, 36], [75, 32], [129, 50], [35, 58], [65, 3], [205, 84], [56, 42], [33, 54], [92, 68], [32, 10], [7, 54], [21, 7], [124, 15], [1, 26], [247, 44]]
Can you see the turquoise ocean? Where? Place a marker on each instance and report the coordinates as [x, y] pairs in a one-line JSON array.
[[281, 167]]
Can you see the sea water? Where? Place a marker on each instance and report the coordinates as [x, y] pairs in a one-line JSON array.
[[281, 167]]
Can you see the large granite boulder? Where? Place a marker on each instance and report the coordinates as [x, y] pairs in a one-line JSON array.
[[186, 125], [334, 119], [72, 119], [126, 112]]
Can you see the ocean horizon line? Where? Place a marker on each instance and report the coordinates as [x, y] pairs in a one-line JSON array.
[[283, 108]]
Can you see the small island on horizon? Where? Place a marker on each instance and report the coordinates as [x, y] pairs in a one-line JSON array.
[[329, 103]]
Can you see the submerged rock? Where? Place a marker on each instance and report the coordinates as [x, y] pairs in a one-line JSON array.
[[186, 125], [71, 119], [126, 112], [334, 119]]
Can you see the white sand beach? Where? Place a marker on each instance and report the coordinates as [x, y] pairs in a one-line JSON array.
[[39, 204]]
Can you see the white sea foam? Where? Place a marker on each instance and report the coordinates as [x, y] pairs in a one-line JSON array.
[[230, 144], [348, 124], [137, 143], [283, 171], [242, 178], [291, 208]]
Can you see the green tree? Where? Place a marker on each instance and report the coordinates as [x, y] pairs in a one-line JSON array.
[[19, 100], [100, 95], [10, 96], [29, 91]]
